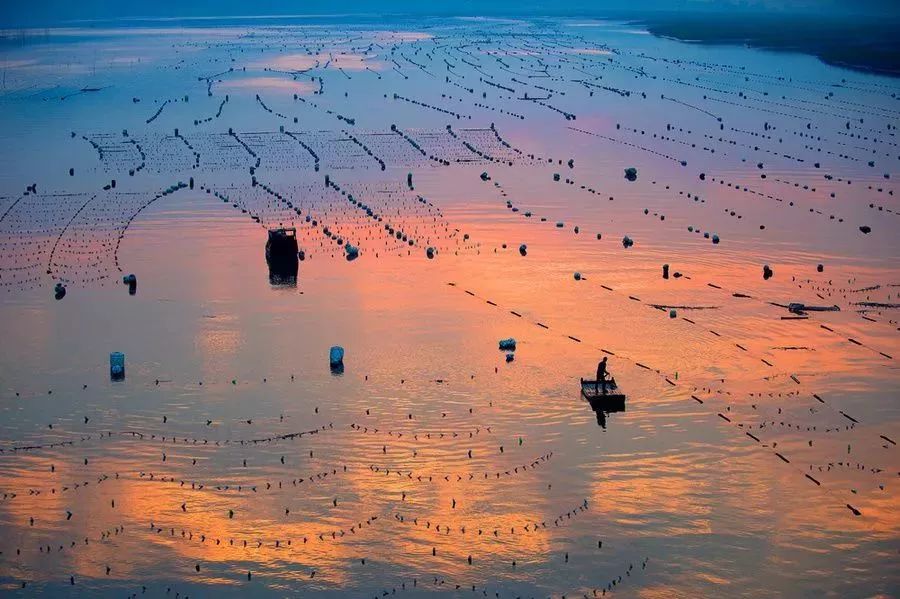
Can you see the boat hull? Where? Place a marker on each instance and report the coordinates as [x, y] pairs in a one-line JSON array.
[[612, 400]]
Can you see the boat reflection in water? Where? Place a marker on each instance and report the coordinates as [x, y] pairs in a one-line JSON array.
[[602, 411], [283, 273], [603, 399], [282, 257]]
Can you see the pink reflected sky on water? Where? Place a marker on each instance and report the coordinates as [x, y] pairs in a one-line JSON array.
[[688, 477]]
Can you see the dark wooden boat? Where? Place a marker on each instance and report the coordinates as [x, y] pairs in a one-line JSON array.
[[281, 245], [282, 257], [613, 400]]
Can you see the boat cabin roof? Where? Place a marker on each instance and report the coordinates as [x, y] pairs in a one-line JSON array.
[[283, 231]]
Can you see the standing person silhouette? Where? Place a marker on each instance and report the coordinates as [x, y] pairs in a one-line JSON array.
[[601, 376]]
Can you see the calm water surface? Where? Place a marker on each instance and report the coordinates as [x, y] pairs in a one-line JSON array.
[[757, 453]]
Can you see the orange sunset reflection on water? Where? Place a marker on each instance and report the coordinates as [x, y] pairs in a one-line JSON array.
[[451, 184]]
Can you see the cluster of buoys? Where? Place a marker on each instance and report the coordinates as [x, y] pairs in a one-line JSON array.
[[268, 485], [430, 106], [416, 435], [458, 477], [629, 144], [215, 116], [265, 543], [63, 488], [117, 153], [569, 116], [158, 112], [495, 530], [163, 438], [529, 214]]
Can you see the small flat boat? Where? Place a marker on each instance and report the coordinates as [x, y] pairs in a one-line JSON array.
[[612, 398]]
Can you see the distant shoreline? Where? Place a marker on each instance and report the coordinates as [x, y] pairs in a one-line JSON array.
[[861, 44], [865, 44]]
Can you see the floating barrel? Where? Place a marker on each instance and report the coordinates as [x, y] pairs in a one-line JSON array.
[[117, 366]]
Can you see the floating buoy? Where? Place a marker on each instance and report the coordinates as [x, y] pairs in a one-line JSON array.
[[116, 366], [336, 356]]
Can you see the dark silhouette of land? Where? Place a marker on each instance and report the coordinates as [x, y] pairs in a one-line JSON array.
[[861, 43]]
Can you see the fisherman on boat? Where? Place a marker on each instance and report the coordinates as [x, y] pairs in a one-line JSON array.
[[601, 376]]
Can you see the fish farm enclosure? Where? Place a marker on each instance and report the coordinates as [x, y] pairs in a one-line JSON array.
[[303, 309]]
